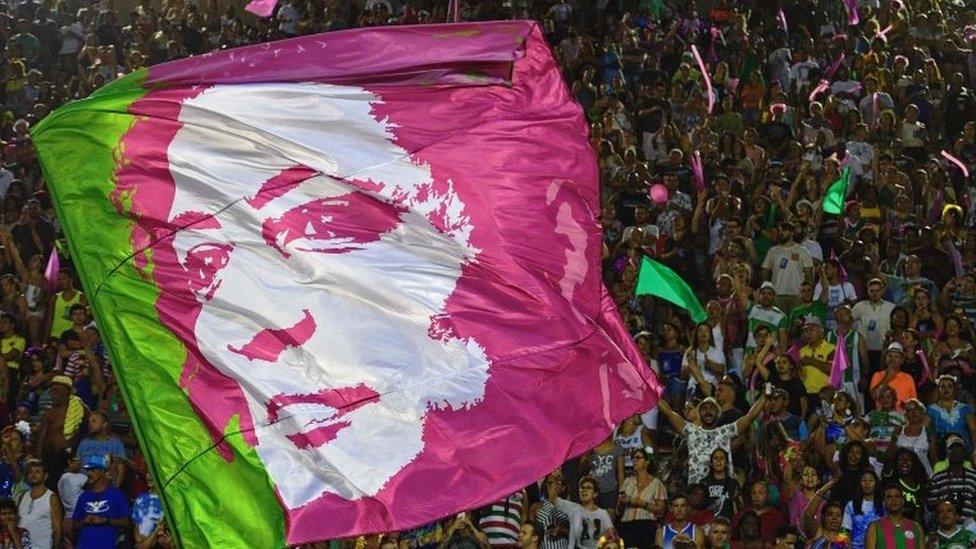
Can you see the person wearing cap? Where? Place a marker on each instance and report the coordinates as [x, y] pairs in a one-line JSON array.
[[779, 411], [953, 477], [703, 440], [948, 414], [816, 358], [872, 317], [787, 265], [60, 425], [102, 511], [892, 376], [762, 311]]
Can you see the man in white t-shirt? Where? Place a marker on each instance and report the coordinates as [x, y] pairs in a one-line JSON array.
[[833, 291], [787, 265], [873, 318], [861, 152]]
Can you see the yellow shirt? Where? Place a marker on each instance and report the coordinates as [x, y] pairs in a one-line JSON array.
[[813, 378]]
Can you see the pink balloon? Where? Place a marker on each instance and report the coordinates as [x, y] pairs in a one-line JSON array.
[[659, 193]]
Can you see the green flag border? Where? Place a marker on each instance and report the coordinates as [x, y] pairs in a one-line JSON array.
[[238, 476]]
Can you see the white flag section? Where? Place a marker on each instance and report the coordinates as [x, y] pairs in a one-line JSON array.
[[354, 280]]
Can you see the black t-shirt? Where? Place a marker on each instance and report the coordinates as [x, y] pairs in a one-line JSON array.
[[721, 495], [795, 389]]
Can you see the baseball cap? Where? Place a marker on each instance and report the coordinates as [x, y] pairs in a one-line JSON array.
[[954, 440], [895, 347], [98, 461], [766, 285], [812, 320], [63, 380], [709, 400]]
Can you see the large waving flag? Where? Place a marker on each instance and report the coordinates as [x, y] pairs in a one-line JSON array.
[[349, 282]]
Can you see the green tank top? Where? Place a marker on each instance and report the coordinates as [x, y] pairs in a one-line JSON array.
[[61, 318]]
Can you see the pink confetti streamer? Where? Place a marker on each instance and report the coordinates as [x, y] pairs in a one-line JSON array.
[[782, 21], [883, 34], [708, 78], [957, 162]]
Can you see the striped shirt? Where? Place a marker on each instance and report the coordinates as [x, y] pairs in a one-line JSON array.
[[502, 520], [561, 513], [957, 487]]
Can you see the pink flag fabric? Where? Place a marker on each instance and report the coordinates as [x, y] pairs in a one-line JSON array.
[[52, 270], [926, 370], [841, 363], [420, 167], [261, 8]]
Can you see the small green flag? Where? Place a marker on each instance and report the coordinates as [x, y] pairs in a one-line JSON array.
[[833, 201], [657, 280]]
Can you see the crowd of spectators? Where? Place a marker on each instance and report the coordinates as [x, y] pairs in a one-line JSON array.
[[753, 444]]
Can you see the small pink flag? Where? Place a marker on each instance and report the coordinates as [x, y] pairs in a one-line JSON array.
[[959, 163], [794, 352], [852, 16], [261, 8], [697, 171], [926, 371], [708, 78], [841, 364], [52, 270]]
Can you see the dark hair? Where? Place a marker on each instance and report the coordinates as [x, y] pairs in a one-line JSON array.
[[591, 481], [8, 504], [845, 452], [877, 497], [749, 514], [76, 307], [677, 496], [786, 530], [831, 503]]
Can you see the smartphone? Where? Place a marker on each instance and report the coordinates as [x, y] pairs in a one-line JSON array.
[[769, 388]]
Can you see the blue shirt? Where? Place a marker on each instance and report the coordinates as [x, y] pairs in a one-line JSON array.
[[109, 503], [858, 524], [951, 421]]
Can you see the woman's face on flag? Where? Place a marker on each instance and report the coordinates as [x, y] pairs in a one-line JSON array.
[[323, 290]]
